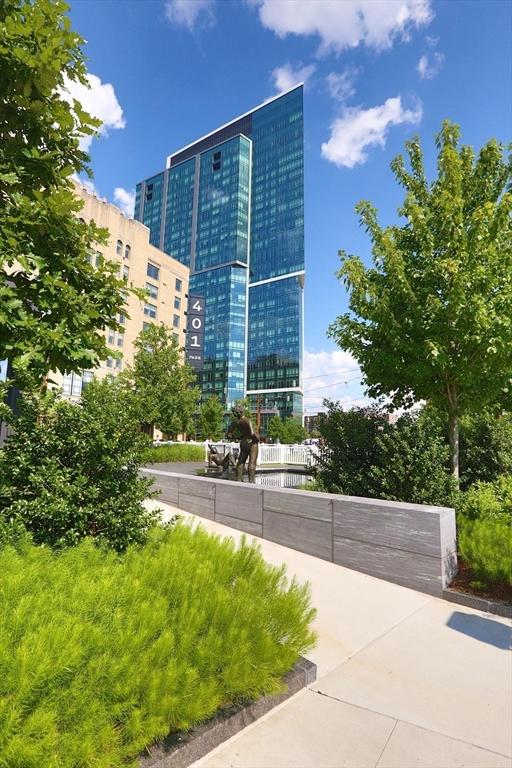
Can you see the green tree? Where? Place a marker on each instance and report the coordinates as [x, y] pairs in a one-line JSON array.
[[432, 319], [72, 470], [289, 430], [211, 419], [162, 382], [292, 431], [53, 304], [275, 428]]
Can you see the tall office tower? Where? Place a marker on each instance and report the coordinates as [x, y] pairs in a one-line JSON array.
[[230, 206]]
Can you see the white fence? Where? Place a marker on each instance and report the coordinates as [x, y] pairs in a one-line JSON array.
[[300, 455]]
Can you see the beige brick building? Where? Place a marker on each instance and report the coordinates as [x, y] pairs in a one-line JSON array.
[[143, 266]]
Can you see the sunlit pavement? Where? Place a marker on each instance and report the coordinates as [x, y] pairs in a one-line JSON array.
[[404, 679]]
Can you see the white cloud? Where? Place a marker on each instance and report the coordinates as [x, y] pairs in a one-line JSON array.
[[99, 100], [341, 84], [357, 129], [344, 24], [89, 186], [187, 13], [286, 77], [334, 375], [125, 199], [429, 66]]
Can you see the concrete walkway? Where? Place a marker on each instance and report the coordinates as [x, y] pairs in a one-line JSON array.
[[404, 680]]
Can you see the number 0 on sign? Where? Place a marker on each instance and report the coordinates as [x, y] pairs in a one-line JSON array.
[[197, 323]]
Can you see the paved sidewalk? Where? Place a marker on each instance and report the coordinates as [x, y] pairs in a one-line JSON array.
[[404, 679]]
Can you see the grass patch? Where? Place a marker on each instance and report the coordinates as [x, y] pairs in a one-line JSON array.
[[185, 452], [103, 654]]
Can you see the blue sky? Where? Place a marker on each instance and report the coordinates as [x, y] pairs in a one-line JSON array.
[[164, 73]]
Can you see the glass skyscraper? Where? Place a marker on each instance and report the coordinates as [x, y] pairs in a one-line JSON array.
[[231, 207]]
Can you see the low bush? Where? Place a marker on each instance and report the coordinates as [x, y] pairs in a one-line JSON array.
[[488, 500], [486, 546], [103, 654], [183, 452], [364, 455], [485, 447], [71, 470], [349, 449]]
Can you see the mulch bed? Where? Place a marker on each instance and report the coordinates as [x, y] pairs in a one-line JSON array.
[[465, 582]]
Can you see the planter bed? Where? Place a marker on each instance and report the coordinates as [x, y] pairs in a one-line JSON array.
[[180, 750], [104, 655]]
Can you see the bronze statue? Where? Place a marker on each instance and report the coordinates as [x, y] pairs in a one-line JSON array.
[[226, 462], [249, 443]]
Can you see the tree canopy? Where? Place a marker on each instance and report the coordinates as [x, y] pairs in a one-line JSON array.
[[211, 419], [162, 382], [54, 304], [432, 318], [289, 430]]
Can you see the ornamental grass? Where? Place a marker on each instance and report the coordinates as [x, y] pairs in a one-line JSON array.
[[102, 655]]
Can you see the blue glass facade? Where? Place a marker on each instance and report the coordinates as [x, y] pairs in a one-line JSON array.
[[231, 207]]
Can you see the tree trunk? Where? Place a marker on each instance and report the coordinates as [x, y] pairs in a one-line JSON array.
[[453, 430]]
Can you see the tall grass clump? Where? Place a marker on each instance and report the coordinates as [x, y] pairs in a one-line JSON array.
[[103, 654], [184, 452]]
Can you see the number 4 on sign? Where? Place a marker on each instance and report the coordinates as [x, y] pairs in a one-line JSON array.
[[197, 306]]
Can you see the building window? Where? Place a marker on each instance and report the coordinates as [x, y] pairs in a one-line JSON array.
[[177, 303], [145, 326], [176, 336], [149, 310], [153, 271], [119, 363], [67, 383], [109, 362], [119, 247], [111, 336], [121, 319], [176, 321], [179, 284], [126, 273], [152, 290], [98, 258], [87, 377], [120, 339], [127, 250]]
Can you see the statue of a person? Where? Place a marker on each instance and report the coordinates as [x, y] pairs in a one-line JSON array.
[[249, 443], [227, 461]]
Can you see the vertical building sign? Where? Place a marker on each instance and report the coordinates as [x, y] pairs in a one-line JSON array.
[[195, 332]]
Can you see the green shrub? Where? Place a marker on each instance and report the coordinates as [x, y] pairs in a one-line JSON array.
[[486, 546], [412, 464], [364, 455], [485, 447], [350, 449], [72, 470], [183, 452], [488, 500], [102, 654]]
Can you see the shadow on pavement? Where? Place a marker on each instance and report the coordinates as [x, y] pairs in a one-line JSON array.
[[486, 630]]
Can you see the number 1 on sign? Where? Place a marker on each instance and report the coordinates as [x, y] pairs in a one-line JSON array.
[[194, 342]]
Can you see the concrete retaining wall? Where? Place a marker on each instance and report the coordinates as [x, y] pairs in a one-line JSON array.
[[409, 544]]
